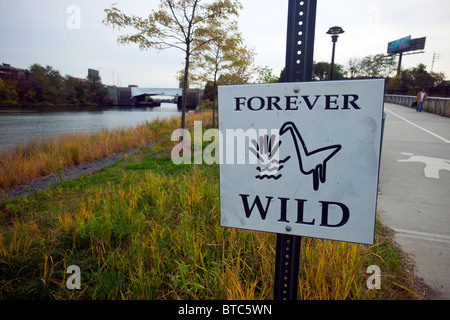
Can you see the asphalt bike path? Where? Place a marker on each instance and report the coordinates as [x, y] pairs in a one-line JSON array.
[[414, 191]]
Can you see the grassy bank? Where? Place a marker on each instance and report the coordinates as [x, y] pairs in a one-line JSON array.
[[145, 228], [40, 157]]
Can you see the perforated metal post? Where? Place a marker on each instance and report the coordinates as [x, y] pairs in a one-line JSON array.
[[286, 267], [300, 40], [299, 68]]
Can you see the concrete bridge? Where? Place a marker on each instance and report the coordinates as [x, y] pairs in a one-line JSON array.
[[135, 96], [143, 96]]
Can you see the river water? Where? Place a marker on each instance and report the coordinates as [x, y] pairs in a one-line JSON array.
[[18, 126]]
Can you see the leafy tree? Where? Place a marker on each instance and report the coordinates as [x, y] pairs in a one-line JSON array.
[[46, 86], [47, 83], [25, 89], [410, 81], [210, 91], [373, 66], [181, 24], [242, 72], [39, 81], [424, 79], [29, 96], [8, 92], [266, 75], [395, 85], [321, 71], [222, 53]]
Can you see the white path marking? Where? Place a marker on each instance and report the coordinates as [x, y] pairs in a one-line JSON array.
[[424, 235], [417, 126], [432, 165]]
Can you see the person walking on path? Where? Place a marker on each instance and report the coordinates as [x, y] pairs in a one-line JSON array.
[[420, 99]]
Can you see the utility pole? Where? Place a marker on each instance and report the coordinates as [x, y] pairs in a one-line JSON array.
[[436, 56]]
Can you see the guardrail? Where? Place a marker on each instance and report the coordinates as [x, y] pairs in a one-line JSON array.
[[439, 106]]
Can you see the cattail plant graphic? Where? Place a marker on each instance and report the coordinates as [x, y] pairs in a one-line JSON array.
[[266, 151]]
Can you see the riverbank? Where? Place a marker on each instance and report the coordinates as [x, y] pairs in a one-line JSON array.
[[44, 105], [68, 173], [43, 156], [144, 228]]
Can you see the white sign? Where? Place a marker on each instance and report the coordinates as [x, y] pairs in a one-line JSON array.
[[301, 158]]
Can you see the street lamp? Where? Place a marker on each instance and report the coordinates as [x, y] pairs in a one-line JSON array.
[[334, 32]]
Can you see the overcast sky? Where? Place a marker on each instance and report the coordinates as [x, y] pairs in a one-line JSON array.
[[45, 32]]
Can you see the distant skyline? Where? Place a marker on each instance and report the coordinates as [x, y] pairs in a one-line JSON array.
[[69, 36]]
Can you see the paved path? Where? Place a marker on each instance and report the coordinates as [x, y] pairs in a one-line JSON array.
[[414, 197]]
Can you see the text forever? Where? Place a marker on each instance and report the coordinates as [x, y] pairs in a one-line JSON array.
[[293, 103]]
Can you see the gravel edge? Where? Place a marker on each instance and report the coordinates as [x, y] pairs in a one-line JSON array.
[[68, 173]]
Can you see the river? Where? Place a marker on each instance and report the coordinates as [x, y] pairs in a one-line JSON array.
[[20, 125]]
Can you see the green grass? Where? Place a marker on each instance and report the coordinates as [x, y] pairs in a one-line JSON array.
[[145, 228]]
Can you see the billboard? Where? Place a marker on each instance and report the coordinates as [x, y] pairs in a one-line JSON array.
[[417, 44], [399, 45], [93, 73]]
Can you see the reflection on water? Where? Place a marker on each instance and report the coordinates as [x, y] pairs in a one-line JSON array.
[[17, 126]]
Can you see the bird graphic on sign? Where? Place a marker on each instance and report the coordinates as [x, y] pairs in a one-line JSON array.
[[309, 162]]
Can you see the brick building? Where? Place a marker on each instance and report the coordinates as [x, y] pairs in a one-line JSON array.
[[10, 73]]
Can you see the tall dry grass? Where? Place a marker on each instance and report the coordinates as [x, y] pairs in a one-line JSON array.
[[148, 229], [152, 234], [43, 156]]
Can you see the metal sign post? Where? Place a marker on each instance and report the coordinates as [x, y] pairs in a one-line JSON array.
[[300, 40], [299, 68]]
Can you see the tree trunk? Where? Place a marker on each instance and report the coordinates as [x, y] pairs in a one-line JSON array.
[[214, 97], [214, 104], [185, 88]]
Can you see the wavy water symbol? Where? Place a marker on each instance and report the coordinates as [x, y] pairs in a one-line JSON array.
[[267, 152]]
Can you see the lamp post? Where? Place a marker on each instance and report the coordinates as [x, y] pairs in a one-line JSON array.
[[334, 32]]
